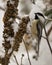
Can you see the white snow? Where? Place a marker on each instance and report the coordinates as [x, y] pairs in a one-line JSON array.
[[11, 39], [40, 4], [15, 27], [10, 19], [24, 7], [1, 34]]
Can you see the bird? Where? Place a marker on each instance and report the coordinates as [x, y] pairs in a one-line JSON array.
[[37, 24], [36, 30]]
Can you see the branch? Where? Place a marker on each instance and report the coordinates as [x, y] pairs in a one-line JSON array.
[[48, 20], [2, 51], [18, 18], [15, 59], [22, 58], [49, 31], [44, 37], [47, 40], [27, 52], [2, 8]]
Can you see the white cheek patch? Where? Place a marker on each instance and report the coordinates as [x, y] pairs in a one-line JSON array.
[[41, 19]]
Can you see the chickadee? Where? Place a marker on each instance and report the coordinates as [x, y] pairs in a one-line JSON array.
[[36, 30]]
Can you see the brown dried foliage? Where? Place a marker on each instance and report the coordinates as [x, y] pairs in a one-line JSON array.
[[11, 12], [20, 33]]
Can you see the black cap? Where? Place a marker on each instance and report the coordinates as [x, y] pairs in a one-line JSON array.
[[36, 17], [40, 14]]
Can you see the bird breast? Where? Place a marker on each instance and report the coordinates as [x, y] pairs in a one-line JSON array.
[[34, 28]]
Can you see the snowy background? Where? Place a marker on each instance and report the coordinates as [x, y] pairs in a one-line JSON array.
[[45, 57]]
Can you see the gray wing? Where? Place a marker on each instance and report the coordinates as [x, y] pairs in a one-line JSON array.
[[39, 29]]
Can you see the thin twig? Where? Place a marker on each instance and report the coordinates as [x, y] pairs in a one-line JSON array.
[[49, 31], [22, 58], [2, 8], [15, 59], [48, 20], [18, 17], [44, 37], [47, 40], [27, 53], [2, 51]]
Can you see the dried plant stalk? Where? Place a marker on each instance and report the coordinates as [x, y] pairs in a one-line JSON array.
[[11, 12], [15, 59], [47, 40], [20, 33], [2, 8], [49, 31], [22, 59], [27, 52]]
